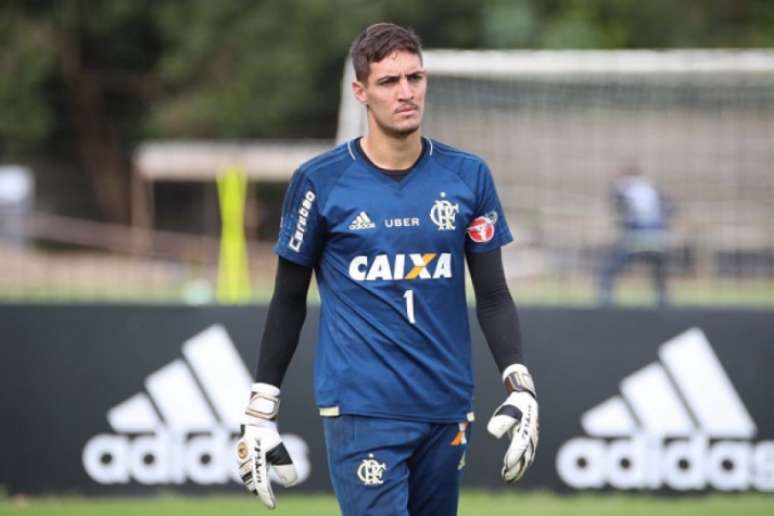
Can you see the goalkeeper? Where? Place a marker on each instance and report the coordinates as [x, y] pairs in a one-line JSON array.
[[386, 222]]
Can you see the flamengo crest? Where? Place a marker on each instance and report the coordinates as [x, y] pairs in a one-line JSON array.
[[370, 471], [443, 213]]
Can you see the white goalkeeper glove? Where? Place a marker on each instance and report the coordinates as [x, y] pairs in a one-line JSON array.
[[260, 445], [517, 417]]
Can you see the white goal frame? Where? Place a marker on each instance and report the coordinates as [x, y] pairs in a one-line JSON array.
[[629, 67], [558, 63]]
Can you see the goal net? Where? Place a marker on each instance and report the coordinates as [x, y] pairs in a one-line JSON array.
[[557, 127]]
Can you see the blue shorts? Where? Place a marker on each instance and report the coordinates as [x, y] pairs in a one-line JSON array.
[[389, 467]]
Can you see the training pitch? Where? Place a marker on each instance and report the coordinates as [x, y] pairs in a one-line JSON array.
[[473, 503]]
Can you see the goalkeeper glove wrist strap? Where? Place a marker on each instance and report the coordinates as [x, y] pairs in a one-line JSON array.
[[264, 402], [516, 378]]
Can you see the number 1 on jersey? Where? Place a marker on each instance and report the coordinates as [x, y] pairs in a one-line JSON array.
[[409, 296]]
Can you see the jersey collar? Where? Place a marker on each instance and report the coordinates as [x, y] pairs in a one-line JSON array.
[[357, 154]]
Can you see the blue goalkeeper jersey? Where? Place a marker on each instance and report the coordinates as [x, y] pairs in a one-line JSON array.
[[389, 260]]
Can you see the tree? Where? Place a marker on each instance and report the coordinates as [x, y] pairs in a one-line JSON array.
[[87, 65], [85, 80]]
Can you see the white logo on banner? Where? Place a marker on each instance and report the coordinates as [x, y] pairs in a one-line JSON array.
[[678, 424], [185, 427]]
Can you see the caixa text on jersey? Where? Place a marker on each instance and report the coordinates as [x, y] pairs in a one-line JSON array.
[[401, 267]]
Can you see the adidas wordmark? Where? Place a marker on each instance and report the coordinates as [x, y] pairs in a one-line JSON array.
[[362, 221], [678, 424], [185, 427]]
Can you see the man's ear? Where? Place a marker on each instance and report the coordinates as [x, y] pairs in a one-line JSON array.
[[358, 89]]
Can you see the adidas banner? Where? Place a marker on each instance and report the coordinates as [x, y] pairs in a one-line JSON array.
[[120, 400]]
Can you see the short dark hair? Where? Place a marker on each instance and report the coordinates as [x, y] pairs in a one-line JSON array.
[[378, 41]]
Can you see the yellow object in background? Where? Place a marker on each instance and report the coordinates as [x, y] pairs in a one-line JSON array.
[[233, 272]]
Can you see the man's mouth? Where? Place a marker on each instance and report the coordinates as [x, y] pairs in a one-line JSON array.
[[406, 109]]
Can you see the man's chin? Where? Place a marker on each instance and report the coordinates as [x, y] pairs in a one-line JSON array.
[[402, 132], [399, 130]]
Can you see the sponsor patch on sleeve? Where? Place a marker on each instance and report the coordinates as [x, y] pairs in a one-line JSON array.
[[482, 229]]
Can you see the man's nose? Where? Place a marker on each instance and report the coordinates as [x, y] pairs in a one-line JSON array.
[[404, 89]]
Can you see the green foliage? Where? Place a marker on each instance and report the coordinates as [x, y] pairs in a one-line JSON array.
[[273, 68], [513, 24], [25, 66], [628, 23], [110, 41]]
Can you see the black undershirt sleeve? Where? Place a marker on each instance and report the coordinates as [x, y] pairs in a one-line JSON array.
[[285, 317], [496, 311]]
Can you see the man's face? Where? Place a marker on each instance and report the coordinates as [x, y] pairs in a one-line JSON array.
[[395, 93]]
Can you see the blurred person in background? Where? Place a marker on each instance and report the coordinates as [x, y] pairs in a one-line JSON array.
[[386, 222], [642, 218], [17, 191]]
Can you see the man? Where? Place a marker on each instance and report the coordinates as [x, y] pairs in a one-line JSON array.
[[642, 214], [385, 222]]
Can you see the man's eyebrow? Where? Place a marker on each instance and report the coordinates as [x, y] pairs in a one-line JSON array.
[[387, 77]]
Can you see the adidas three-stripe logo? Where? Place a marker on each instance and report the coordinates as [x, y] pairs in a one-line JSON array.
[[184, 426], [678, 423], [688, 393], [210, 361], [362, 221]]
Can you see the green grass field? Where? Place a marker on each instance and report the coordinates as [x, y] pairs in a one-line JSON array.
[[473, 503]]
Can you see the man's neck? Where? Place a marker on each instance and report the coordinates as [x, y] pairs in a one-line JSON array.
[[392, 153]]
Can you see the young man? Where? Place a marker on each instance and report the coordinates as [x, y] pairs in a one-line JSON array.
[[385, 221]]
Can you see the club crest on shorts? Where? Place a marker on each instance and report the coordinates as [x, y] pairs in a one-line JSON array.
[[443, 213], [482, 229], [370, 471]]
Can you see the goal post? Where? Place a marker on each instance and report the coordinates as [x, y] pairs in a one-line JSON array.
[[556, 127]]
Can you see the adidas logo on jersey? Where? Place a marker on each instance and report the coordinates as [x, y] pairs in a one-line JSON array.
[[678, 424], [362, 221], [185, 428]]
